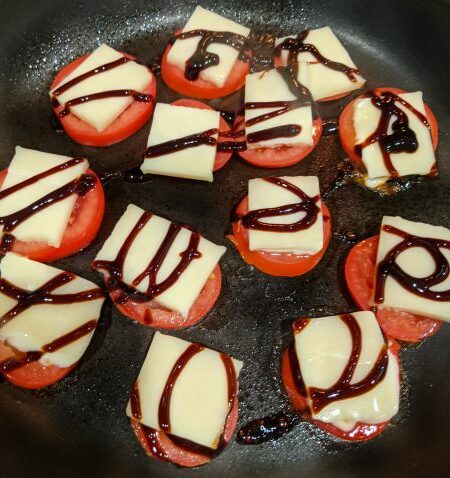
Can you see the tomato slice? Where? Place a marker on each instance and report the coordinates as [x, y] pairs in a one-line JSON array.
[[83, 226], [163, 448], [174, 78], [33, 375], [277, 264], [222, 158], [361, 431], [282, 156], [153, 314], [347, 131], [128, 123], [360, 274]]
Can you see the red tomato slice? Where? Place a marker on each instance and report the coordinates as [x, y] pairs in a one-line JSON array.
[[174, 78], [277, 264], [152, 314], [83, 226], [360, 274], [283, 156], [361, 431], [164, 449], [33, 375], [128, 123], [347, 132], [222, 158]]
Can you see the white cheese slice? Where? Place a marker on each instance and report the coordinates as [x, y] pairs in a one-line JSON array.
[[416, 262], [270, 86], [323, 349], [41, 324], [175, 122], [366, 117], [183, 293], [199, 401], [322, 81], [101, 113], [262, 194], [182, 50], [26, 164]]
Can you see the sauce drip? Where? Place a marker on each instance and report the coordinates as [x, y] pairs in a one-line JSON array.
[[388, 267], [253, 219], [298, 45], [202, 58], [284, 131], [402, 139], [168, 147], [258, 51], [115, 268]]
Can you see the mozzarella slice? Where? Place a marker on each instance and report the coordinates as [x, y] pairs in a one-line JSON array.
[[182, 294], [366, 117], [199, 401], [41, 324], [175, 122], [26, 164], [323, 349], [270, 86], [262, 194], [101, 113], [182, 50], [416, 262], [323, 81]]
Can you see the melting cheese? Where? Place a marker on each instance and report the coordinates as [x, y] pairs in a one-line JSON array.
[[323, 349], [183, 293], [366, 117], [182, 50], [101, 113], [26, 164], [262, 194], [270, 86], [41, 324], [322, 81], [175, 122], [199, 401], [416, 262]]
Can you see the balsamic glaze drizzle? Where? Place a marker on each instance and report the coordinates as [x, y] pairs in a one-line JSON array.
[[389, 267], [253, 219]]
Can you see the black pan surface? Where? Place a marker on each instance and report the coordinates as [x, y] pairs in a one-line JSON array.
[[78, 427]]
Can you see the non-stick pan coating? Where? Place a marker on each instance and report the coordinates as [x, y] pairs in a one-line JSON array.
[[78, 427]]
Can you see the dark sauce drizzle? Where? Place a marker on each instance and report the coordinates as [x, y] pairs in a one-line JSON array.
[[43, 295], [253, 219], [388, 267], [151, 435], [80, 186], [402, 139]]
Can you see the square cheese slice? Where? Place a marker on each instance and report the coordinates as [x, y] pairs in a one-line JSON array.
[[323, 347], [416, 262], [366, 117], [101, 113], [323, 81], [199, 402], [182, 294], [48, 224], [41, 324], [263, 194], [270, 86], [175, 122], [203, 19]]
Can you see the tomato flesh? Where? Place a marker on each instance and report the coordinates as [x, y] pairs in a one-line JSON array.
[[222, 158], [153, 314], [360, 275], [128, 123], [277, 264], [83, 226]]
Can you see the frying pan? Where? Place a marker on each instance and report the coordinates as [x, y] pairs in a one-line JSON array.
[[78, 427]]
